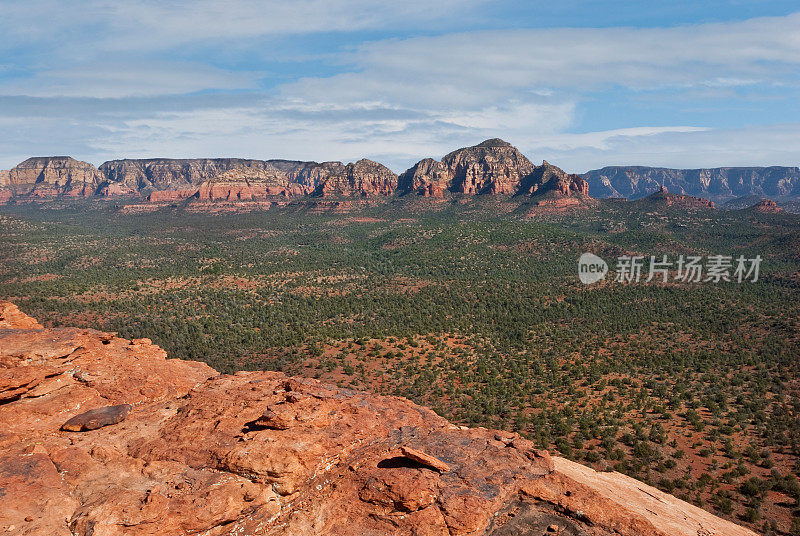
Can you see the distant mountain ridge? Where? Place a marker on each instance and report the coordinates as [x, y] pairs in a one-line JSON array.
[[717, 184], [491, 167]]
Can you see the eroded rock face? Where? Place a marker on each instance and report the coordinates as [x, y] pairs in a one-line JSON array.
[[494, 167], [53, 176], [491, 167], [259, 453], [549, 178], [428, 178], [12, 318], [213, 179], [363, 178], [664, 197], [767, 206]]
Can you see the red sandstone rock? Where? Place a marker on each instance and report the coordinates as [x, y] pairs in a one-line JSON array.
[[364, 178], [662, 196], [494, 167], [170, 196], [425, 459], [97, 418], [218, 179], [12, 318], [491, 167], [258, 453], [767, 206]]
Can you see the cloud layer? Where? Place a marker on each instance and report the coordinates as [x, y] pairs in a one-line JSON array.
[[339, 80]]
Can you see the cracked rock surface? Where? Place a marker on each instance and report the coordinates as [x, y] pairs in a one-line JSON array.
[[252, 453]]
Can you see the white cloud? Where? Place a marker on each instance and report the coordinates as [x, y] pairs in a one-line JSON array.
[[147, 25], [470, 68], [397, 100], [765, 145], [137, 78], [603, 140], [262, 130]]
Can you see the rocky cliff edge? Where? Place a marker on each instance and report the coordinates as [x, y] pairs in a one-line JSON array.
[[104, 436]]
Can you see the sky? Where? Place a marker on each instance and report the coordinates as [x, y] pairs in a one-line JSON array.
[[580, 83]]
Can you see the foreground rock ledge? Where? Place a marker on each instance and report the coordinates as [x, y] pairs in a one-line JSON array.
[[262, 453]]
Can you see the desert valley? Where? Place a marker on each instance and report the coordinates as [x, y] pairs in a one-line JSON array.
[[368, 268], [669, 407]]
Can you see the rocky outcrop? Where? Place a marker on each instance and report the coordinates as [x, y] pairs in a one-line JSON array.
[[104, 436], [53, 176], [767, 206], [494, 167], [664, 198], [364, 178], [717, 184], [428, 178], [112, 189], [12, 318], [491, 167], [549, 178]]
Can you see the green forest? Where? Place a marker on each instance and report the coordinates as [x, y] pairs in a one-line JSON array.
[[480, 315]]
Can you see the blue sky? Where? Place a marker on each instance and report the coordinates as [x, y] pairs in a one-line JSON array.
[[579, 83]]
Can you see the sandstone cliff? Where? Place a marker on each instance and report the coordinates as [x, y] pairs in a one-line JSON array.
[[236, 179], [717, 184], [548, 177], [491, 167], [363, 178], [219, 178], [53, 176], [5, 193], [104, 436]]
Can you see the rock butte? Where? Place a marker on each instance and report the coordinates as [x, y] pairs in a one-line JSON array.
[[491, 167], [663, 196], [261, 453], [767, 206]]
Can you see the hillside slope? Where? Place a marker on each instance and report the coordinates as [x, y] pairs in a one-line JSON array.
[[105, 436]]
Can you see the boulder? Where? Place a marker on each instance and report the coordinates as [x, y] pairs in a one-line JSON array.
[[97, 418]]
